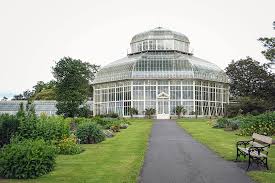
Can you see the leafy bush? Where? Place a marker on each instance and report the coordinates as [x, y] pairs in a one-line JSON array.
[[48, 128], [233, 123], [107, 123], [84, 111], [27, 159], [112, 115], [115, 128], [8, 127], [221, 123], [52, 128], [28, 127], [69, 145], [109, 115], [262, 124], [149, 112], [247, 105], [90, 133]]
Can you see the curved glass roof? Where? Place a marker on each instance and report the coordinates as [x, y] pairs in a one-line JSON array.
[[160, 60], [159, 39], [160, 65], [160, 33]]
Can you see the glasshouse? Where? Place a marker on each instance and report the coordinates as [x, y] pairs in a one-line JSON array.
[[161, 73]]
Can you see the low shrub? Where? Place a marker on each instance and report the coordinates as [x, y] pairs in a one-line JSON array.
[[115, 128], [233, 124], [90, 133], [109, 115], [48, 128], [8, 127], [228, 123], [221, 123], [27, 159], [262, 124], [107, 123], [69, 145], [28, 127], [53, 128]]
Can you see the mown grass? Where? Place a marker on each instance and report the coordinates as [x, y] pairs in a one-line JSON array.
[[224, 144], [117, 160]]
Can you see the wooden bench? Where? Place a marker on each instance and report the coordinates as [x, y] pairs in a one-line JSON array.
[[256, 149]]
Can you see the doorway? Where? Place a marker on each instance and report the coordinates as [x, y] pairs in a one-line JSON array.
[[163, 106]]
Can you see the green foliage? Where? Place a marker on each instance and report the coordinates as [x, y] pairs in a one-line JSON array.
[[117, 160], [72, 84], [8, 127], [269, 44], [149, 112], [84, 111], [180, 110], [21, 111], [133, 111], [48, 128], [69, 146], [233, 123], [247, 105], [262, 124], [90, 133], [108, 115], [27, 159], [115, 128], [28, 127], [107, 123], [45, 94], [52, 128], [248, 78]]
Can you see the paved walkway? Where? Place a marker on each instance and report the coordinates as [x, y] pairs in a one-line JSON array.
[[175, 157]]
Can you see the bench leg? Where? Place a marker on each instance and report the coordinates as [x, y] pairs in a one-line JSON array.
[[237, 154], [249, 163], [266, 164]]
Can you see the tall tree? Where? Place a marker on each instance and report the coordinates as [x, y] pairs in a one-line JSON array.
[[27, 94], [72, 84], [269, 44], [249, 78], [18, 97], [44, 91]]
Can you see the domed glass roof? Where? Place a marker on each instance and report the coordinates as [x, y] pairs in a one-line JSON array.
[[159, 39], [160, 33], [149, 60]]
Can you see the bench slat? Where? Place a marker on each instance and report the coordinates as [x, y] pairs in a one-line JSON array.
[[262, 138], [253, 153]]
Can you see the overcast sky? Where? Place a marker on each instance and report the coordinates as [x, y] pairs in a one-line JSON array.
[[35, 33]]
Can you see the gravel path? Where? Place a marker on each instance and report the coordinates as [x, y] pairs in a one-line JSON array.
[[175, 157]]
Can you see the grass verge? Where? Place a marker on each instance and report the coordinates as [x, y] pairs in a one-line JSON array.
[[224, 144], [117, 160]]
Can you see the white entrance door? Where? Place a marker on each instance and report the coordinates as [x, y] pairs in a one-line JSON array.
[[163, 106]]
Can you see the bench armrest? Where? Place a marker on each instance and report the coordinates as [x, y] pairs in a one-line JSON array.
[[243, 142]]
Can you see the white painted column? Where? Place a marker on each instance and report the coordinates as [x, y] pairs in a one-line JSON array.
[[194, 97]]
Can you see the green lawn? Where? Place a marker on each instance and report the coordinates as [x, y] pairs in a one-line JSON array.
[[118, 159], [224, 144]]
